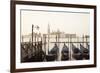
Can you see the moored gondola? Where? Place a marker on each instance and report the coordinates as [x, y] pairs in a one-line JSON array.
[[41, 54], [76, 53], [35, 56], [53, 54], [84, 51], [65, 53]]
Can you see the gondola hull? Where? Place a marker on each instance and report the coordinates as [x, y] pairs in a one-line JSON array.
[[50, 57], [77, 56], [65, 56]]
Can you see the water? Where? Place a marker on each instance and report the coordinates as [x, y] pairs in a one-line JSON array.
[[48, 44]]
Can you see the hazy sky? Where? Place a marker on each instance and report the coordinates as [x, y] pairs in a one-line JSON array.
[[64, 21]]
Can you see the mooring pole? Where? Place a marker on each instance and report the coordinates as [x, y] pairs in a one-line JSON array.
[[83, 39], [45, 44], [77, 41], [32, 35], [32, 38], [70, 47], [48, 36], [22, 39], [86, 37]]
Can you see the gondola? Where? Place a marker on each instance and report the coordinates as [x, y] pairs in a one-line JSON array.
[[30, 56], [41, 52], [53, 54], [77, 55], [65, 53], [37, 55], [25, 50], [85, 52]]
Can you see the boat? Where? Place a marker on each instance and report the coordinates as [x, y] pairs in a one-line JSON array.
[[39, 53], [65, 53], [53, 53], [77, 55], [34, 56], [84, 51]]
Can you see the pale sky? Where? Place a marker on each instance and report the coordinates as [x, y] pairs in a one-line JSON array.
[[64, 21]]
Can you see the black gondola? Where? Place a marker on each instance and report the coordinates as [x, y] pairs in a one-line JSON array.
[[41, 54], [25, 50], [37, 55], [28, 58], [76, 53], [65, 53], [85, 52], [53, 54]]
